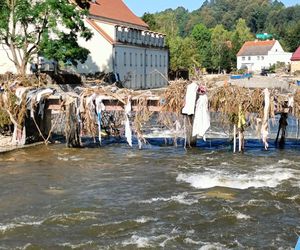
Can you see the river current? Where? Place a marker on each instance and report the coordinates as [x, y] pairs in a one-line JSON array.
[[161, 197]]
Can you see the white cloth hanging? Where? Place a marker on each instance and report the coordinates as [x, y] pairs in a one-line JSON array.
[[202, 117], [190, 99], [264, 127], [99, 108], [128, 132]]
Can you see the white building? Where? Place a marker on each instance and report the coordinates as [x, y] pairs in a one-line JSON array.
[[123, 44], [257, 55]]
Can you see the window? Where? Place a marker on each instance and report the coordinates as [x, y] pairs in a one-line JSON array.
[[155, 60], [136, 60], [249, 58], [125, 59], [262, 58], [146, 60], [243, 58], [130, 59], [141, 60], [165, 61], [258, 57], [116, 58], [159, 60], [151, 57]]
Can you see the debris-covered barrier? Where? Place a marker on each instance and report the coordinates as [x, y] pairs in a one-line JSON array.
[[95, 111]]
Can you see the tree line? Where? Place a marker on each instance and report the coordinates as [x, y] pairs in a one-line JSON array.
[[211, 36]]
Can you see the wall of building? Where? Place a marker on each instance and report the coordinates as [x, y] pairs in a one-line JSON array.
[[6, 65], [295, 66], [108, 28], [256, 63], [141, 67], [100, 58]]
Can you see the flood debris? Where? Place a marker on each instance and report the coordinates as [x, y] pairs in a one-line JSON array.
[[97, 110]]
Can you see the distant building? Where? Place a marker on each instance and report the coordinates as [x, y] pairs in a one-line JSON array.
[[123, 44], [257, 55], [295, 61]]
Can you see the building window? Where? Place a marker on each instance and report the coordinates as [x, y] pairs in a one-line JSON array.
[[249, 58], [155, 60], [151, 57], [136, 60], [258, 58], [116, 58], [243, 58], [141, 60], [130, 59], [159, 60], [146, 60], [125, 59], [165, 61], [262, 58]]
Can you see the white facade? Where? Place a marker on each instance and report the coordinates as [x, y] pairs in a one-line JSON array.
[[6, 65], [264, 61], [137, 57]]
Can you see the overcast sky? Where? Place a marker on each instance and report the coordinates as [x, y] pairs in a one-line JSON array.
[[139, 7]]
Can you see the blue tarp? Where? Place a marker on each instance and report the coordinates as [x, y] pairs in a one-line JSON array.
[[297, 247], [246, 75]]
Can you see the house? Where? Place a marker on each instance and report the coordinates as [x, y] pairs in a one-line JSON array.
[[295, 61], [257, 55], [123, 44]]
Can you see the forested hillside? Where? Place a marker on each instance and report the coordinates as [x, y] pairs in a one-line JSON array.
[[211, 36]]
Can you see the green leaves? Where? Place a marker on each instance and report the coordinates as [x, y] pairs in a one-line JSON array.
[[49, 27]]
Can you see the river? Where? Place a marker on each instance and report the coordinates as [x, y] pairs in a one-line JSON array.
[[116, 197]]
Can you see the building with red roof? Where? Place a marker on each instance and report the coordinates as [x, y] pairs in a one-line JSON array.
[[257, 55], [123, 44], [295, 61]]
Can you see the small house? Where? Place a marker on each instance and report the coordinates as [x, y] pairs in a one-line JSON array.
[[295, 61], [257, 55]]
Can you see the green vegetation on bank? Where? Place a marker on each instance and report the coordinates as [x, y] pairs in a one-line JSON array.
[[211, 36]]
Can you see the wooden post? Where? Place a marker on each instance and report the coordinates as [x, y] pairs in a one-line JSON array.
[[240, 141], [234, 138], [298, 129], [72, 127], [192, 140]]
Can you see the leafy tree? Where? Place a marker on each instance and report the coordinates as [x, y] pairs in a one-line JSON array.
[[202, 36], [221, 45], [29, 28], [293, 36], [183, 53], [150, 20]]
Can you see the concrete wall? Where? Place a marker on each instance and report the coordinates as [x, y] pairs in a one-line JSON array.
[[141, 67]]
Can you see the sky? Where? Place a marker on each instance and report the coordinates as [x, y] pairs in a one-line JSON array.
[[139, 7]]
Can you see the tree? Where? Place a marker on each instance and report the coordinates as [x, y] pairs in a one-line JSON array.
[[183, 53], [202, 36], [150, 20], [293, 36], [221, 45], [29, 28]]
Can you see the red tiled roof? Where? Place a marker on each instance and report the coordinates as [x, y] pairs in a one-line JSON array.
[[296, 55], [115, 10], [252, 48]]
